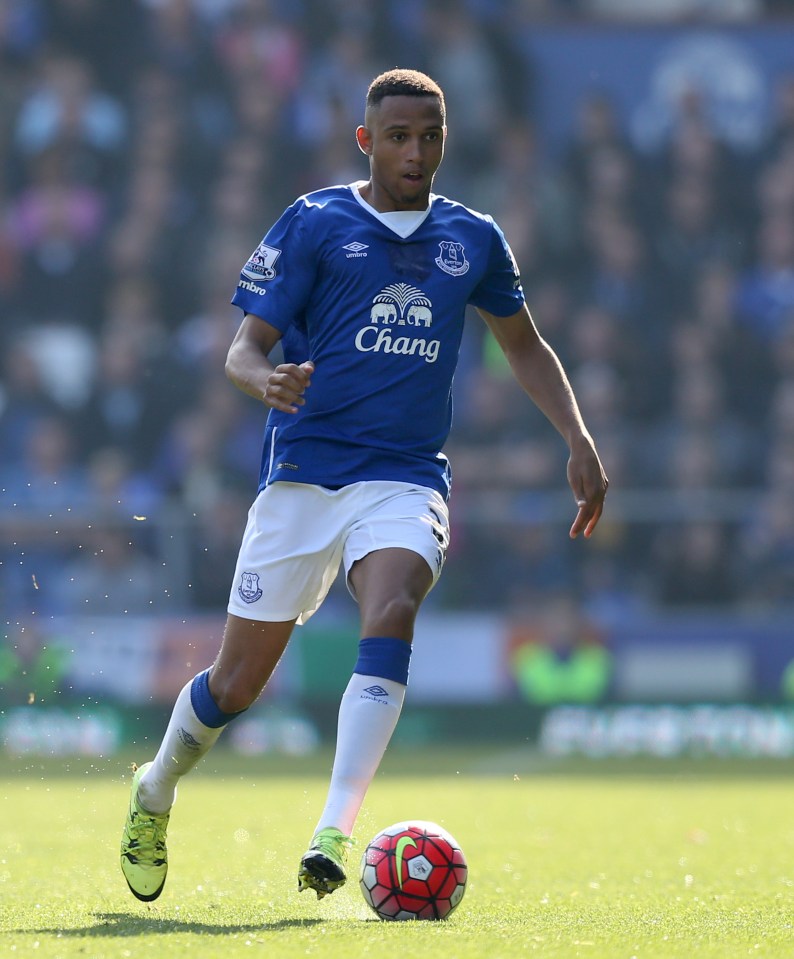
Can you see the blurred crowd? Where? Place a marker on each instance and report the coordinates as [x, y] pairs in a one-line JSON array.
[[147, 145]]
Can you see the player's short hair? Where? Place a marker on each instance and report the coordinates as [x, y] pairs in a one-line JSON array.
[[404, 83]]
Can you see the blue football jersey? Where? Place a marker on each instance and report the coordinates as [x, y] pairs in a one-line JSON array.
[[381, 317]]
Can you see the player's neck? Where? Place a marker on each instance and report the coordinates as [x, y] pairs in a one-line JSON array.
[[382, 202]]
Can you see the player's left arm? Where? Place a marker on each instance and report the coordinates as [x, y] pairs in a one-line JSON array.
[[538, 370]]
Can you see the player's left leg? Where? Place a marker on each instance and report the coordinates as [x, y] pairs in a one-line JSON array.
[[390, 585]]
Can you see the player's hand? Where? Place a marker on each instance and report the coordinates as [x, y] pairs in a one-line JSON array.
[[589, 483], [286, 386]]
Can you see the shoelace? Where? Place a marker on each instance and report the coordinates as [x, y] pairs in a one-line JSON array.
[[336, 847], [148, 832]]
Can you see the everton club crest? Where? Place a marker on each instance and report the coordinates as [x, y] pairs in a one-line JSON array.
[[249, 588], [451, 258]]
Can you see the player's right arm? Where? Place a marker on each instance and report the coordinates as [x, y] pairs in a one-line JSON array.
[[248, 366]]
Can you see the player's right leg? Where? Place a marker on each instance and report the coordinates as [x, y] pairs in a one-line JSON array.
[[289, 557], [204, 707]]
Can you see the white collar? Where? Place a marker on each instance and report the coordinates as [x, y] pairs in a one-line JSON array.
[[401, 222]]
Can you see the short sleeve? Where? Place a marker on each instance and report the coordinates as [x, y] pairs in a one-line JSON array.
[[277, 279], [499, 291]]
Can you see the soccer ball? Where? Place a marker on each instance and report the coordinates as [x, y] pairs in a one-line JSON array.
[[413, 870]]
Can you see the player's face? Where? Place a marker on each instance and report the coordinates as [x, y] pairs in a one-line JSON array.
[[404, 140]]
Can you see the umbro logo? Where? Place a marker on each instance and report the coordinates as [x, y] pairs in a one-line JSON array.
[[187, 738], [355, 249], [376, 691]]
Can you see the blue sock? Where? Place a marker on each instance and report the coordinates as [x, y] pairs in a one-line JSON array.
[[204, 706], [384, 656]]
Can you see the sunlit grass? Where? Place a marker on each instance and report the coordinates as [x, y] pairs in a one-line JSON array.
[[561, 866]]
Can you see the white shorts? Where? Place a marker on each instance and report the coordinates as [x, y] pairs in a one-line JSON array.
[[297, 535]]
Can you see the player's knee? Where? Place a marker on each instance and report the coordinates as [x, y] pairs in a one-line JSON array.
[[395, 617]]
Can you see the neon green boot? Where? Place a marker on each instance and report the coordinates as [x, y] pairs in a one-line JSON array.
[[144, 859], [322, 868]]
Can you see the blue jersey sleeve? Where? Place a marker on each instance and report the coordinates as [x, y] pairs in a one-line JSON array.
[[499, 292], [278, 277]]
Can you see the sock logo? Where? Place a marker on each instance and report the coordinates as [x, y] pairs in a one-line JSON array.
[[376, 691], [187, 739]]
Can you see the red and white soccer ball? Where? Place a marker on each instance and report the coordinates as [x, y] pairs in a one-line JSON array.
[[413, 870]]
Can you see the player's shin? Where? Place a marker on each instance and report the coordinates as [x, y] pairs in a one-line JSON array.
[[195, 725], [368, 715]]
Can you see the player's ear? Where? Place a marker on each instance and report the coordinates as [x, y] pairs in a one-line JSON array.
[[364, 140]]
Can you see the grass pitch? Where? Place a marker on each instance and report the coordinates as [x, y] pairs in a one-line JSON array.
[[618, 863]]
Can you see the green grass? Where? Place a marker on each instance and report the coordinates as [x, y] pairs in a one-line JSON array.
[[685, 861]]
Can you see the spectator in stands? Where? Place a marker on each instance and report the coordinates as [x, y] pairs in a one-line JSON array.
[[33, 667], [215, 542], [598, 126], [109, 576], [765, 296], [56, 224], [49, 475], [474, 73], [328, 104], [610, 188], [180, 41], [210, 446], [699, 406], [616, 277], [24, 399], [694, 566], [519, 561], [132, 401], [781, 363], [258, 41], [604, 399], [68, 111], [149, 239], [557, 655], [765, 560], [498, 432], [691, 235], [107, 36], [533, 204], [775, 181], [596, 337], [780, 136], [746, 362], [133, 176], [46, 481], [117, 490]]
